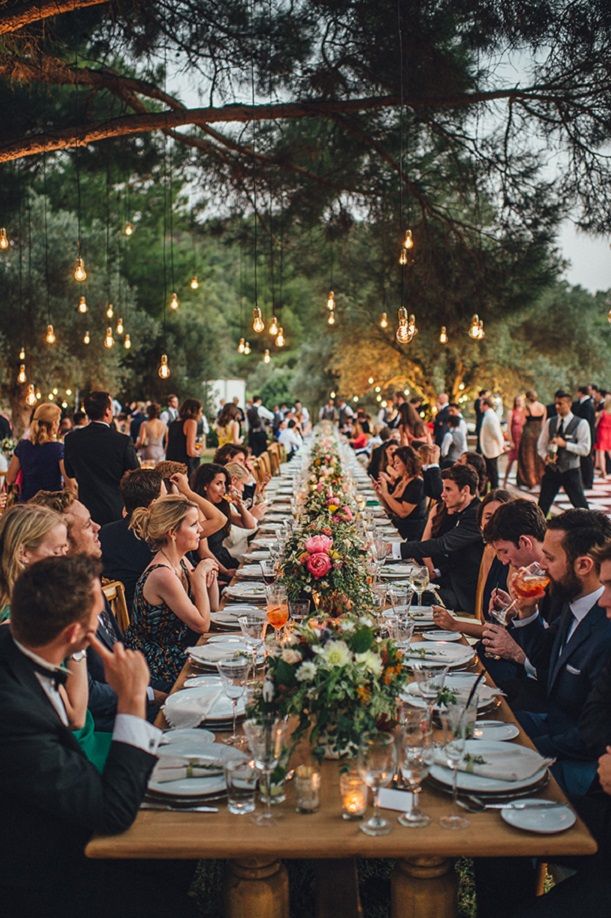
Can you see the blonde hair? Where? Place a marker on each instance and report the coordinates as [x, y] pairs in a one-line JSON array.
[[45, 418], [21, 528], [163, 515], [237, 470], [531, 395]]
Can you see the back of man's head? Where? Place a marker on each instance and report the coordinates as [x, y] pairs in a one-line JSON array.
[[97, 404], [583, 531], [50, 595], [519, 518], [139, 487], [453, 421], [60, 501]]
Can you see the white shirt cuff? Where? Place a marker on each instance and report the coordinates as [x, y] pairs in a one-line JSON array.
[[150, 694], [396, 550], [522, 622], [530, 669], [433, 465], [136, 732]]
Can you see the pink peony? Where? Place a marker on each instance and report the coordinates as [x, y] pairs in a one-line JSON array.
[[318, 543], [319, 565], [345, 514]]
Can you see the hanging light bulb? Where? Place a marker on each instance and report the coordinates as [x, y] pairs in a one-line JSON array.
[[371, 380], [164, 371], [82, 305], [482, 333], [247, 348], [128, 229], [30, 398], [79, 273], [280, 339], [267, 356], [174, 301], [258, 325], [55, 390], [474, 327], [241, 346], [127, 342], [38, 395], [402, 334], [86, 338], [68, 392], [384, 320], [120, 327], [108, 338], [50, 336], [412, 327], [331, 318], [4, 240], [194, 282], [331, 300], [408, 242], [403, 256], [443, 335], [22, 353], [273, 327], [21, 377], [110, 311]]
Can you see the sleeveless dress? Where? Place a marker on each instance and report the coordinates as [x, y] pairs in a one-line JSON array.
[[177, 445], [603, 432], [154, 448], [159, 634], [530, 464], [225, 434], [516, 425]]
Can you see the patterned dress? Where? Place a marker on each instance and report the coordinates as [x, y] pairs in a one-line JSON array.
[[159, 634]]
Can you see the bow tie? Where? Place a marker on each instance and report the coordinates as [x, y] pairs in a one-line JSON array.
[[57, 676]]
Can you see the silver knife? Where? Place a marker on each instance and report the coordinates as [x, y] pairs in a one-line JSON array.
[[179, 809]]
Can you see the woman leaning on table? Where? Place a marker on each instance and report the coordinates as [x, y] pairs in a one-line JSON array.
[[173, 598]]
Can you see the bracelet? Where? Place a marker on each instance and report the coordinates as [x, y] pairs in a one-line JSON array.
[[79, 656]]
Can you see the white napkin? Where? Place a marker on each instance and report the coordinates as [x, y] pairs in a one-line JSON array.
[[192, 713], [176, 768], [504, 766], [216, 652]]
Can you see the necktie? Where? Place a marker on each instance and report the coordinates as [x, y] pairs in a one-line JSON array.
[[108, 625], [560, 431], [58, 675]]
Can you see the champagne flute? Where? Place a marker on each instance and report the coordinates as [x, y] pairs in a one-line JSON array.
[[458, 720], [233, 673], [420, 580], [376, 763], [266, 743], [417, 751]]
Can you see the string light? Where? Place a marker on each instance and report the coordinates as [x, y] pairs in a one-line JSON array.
[[174, 301], [331, 300], [110, 311], [273, 327], [408, 242], [127, 342], [86, 338], [194, 284], [378, 389], [22, 353], [50, 397], [241, 346], [30, 398], [258, 325], [403, 257], [332, 394], [371, 380], [55, 390], [443, 335], [280, 339], [38, 395], [68, 392], [476, 328], [247, 348], [50, 335], [384, 320], [21, 377], [4, 240], [331, 318], [128, 229], [267, 356], [120, 327], [82, 305], [164, 371], [108, 338], [79, 273]]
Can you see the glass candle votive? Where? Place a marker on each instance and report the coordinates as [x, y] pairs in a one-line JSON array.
[[307, 788], [354, 795]]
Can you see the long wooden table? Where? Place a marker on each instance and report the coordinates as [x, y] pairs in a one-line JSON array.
[[423, 881]]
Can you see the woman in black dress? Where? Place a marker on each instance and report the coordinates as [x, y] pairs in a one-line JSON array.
[[182, 443], [406, 503]]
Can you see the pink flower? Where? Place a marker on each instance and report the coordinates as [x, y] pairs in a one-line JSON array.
[[345, 514], [319, 565], [318, 543]]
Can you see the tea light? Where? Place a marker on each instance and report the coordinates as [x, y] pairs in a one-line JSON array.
[[307, 788], [354, 796]]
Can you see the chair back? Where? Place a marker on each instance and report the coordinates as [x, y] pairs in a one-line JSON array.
[[114, 591]]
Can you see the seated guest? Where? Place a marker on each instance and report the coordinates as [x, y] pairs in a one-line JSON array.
[[253, 488], [240, 485], [40, 457], [171, 603], [461, 546], [431, 473], [406, 503], [454, 442], [290, 438], [359, 440], [384, 455], [373, 468], [55, 800], [227, 453], [214, 483]]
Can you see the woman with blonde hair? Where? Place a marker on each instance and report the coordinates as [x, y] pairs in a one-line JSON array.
[[40, 457], [172, 599]]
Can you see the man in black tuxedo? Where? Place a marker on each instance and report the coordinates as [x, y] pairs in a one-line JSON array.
[[462, 546], [97, 456], [583, 407], [440, 424], [54, 799]]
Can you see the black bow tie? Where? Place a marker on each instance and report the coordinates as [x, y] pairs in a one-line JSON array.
[[58, 676]]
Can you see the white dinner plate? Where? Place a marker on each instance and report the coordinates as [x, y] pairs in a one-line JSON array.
[[544, 820], [200, 697], [396, 571], [249, 571], [495, 730], [247, 590], [263, 543], [476, 784], [189, 787], [413, 696], [436, 653], [225, 620], [235, 609], [185, 741], [258, 555], [421, 615], [211, 653], [441, 635]]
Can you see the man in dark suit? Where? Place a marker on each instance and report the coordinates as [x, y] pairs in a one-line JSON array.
[[97, 457], [462, 546], [440, 424], [583, 407], [54, 799]]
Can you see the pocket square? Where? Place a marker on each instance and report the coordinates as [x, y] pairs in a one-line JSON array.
[[571, 669]]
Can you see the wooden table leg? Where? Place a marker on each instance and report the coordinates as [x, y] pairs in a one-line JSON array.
[[256, 886], [423, 887], [337, 889]]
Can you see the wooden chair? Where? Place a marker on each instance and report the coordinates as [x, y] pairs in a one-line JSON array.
[[114, 591], [265, 464], [273, 451]]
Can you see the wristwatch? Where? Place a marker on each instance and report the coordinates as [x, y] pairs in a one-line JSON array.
[[79, 655]]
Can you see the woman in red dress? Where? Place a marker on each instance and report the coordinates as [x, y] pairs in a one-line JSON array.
[[515, 423], [602, 444]]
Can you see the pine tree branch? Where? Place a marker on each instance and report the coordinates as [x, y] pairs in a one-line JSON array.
[[27, 13]]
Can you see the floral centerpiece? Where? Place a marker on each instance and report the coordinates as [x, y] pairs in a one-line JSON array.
[[337, 678]]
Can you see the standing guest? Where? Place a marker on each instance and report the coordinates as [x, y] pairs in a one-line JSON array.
[[479, 414], [97, 457], [170, 412], [515, 425], [441, 418], [138, 417], [303, 414], [40, 458], [152, 436], [171, 600], [344, 414], [65, 426], [603, 437], [257, 438], [411, 426], [530, 464], [264, 413], [328, 411], [454, 442], [491, 441], [79, 420], [564, 439], [182, 443], [407, 503], [583, 407], [228, 426]]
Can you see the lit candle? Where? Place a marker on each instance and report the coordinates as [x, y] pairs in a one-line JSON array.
[[307, 786], [354, 796]]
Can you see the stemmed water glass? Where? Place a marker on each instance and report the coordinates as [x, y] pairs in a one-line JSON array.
[[430, 681], [266, 742], [458, 721], [419, 579], [377, 762], [234, 673], [416, 757], [253, 625]]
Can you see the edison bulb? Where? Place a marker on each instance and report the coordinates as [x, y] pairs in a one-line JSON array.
[[194, 282], [331, 318], [38, 395], [164, 371], [411, 325], [403, 257], [370, 380], [280, 339], [443, 335], [4, 240], [50, 397], [332, 394], [384, 320], [267, 356], [402, 334], [174, 302], [79, 273], [50, 336], [21, 377], [258, 325], [110, 311], [241, 346], [482, 333], [408, 242], [55, 390], [128, 229], [273, 326], [378, 389], [22, 353], [474, 327], [30, 398], [247, 348], [68, 392], [86, 338], [108, 338], [331, 300], [120, 327], [127, 342], [82, 305]]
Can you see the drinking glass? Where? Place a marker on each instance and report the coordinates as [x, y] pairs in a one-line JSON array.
[[268, 570], [458, 721], [266, 743], [253, 625], [531, 581], [419, 579], [401, 629], [234, 674], [376, 763], [299, 609], [277, 606], [416, 758], [241, 779], [430, 681], [379, 550], [380, 592]]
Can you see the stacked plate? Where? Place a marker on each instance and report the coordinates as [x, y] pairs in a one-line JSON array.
[[396, 571], [249, 572], [217, 648], [195, 747], [422, 616], [229, 615], [504, 757], [246, 592], [436, 653], [204, 704], [257, 554], [487, 695]]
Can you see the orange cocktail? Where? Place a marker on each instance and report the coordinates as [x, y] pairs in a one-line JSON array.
[[277, 615], [530, 582]]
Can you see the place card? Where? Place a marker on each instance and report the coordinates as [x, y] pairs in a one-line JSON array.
[[390, 799]]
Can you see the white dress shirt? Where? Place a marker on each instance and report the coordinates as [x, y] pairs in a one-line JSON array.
[[491, 437], [581, 445], [579, 607]]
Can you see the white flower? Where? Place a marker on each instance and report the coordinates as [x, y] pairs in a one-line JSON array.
[[336, 653], [306, 672], [268, 690], [291, 656], [370, 661]]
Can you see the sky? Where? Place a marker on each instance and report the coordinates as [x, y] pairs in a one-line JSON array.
[[590, 258]]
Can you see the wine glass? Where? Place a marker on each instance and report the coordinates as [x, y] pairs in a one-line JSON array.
[[379, 550], [430, 681], [266, 743], [234, 673], [458, 721], [376, 763], [268, 570], [253, 625], [277, 606], [419, 579], [380, 592], [417, 752]]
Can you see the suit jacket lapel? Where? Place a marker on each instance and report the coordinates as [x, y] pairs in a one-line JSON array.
[[566, 617], [582, 633]]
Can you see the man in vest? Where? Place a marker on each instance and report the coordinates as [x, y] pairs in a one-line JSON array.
[[563, 440]]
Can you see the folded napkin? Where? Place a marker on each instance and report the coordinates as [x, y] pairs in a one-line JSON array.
[[177, 768], [504, 766], [216, 652], [192, 712]]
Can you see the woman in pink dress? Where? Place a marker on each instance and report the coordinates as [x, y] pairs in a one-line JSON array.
[[602, 443], [515, 423]]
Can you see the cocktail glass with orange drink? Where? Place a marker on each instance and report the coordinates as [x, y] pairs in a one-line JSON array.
[[531, 582], [277, 606]]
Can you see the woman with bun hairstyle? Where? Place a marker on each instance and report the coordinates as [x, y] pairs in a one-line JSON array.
[[40, 457], [172, 599]]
